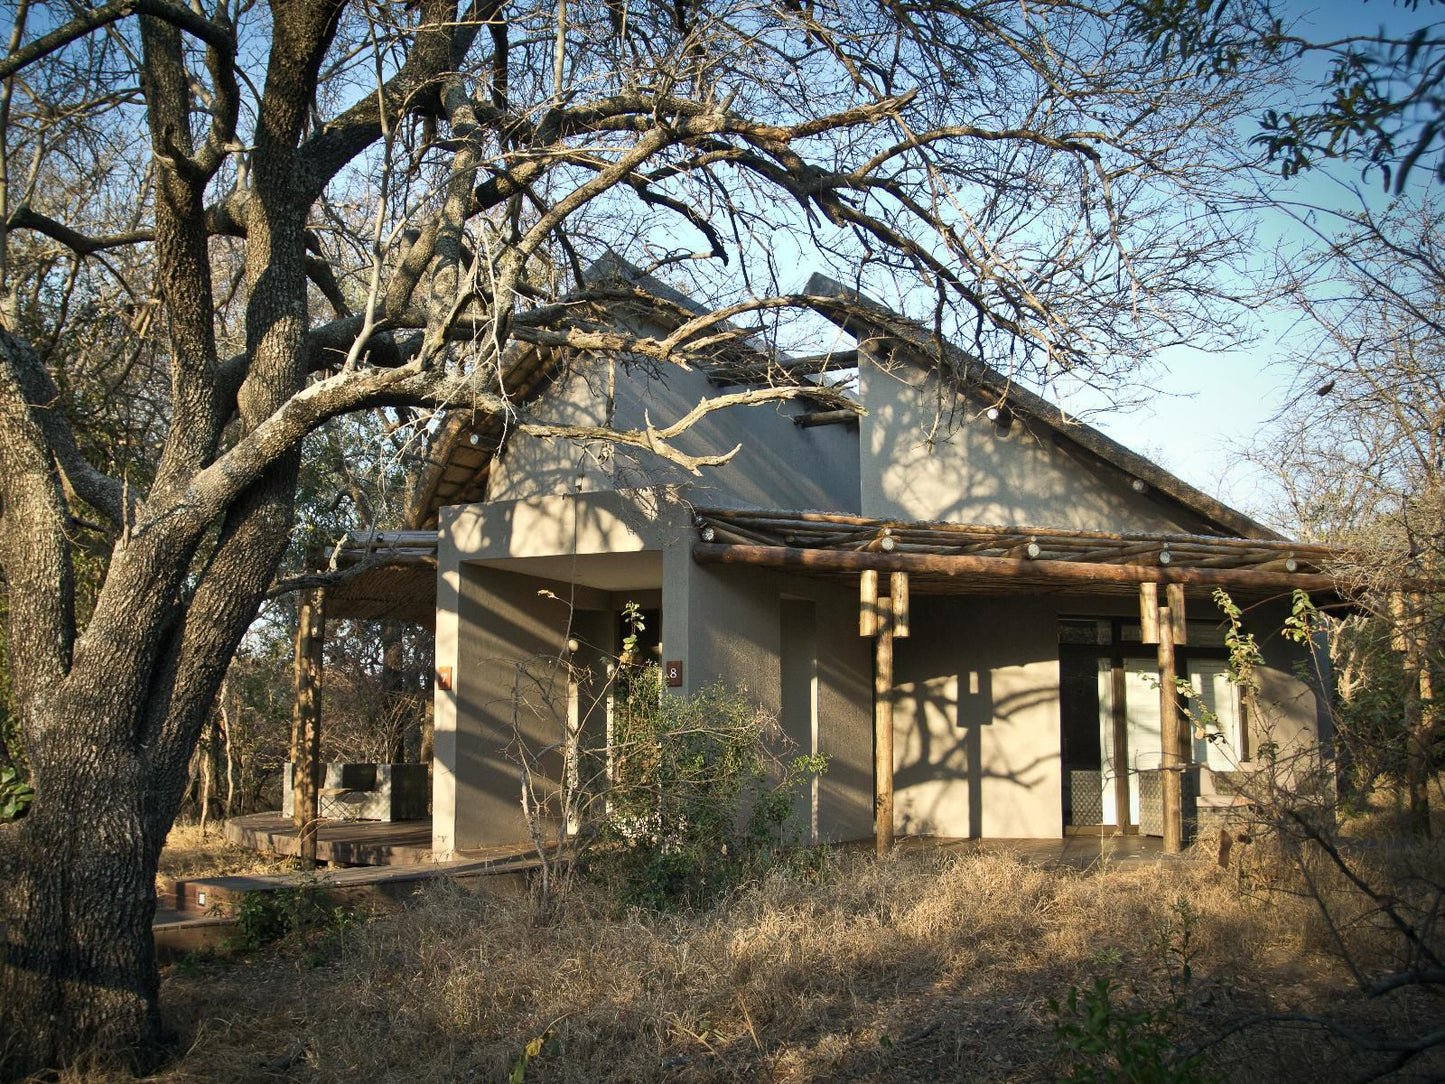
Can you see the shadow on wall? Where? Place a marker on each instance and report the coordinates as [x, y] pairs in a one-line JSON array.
[[945, 768], [778, 464], [930, 460], [977, 747]]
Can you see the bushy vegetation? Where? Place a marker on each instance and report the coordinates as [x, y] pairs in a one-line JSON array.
[[701, 795], [300, 913], [1110, 1033]]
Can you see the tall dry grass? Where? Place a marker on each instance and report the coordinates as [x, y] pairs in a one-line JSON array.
[[921, 967], [190, 853]]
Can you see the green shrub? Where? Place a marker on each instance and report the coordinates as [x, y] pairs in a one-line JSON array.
[[701, 793], [1108, 1038], [300, 912]]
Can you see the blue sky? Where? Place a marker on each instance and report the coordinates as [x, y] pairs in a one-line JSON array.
[[1209, 405]]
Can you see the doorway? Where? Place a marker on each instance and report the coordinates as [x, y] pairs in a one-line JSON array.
[[1110, 726]]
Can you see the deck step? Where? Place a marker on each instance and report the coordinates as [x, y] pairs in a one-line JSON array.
[[381, 885], [352, 843]]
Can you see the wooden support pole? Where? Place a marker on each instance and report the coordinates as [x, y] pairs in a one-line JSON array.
[[883, 729], [898, 591], [306, 720], [1170, 760], [868, 602], [1178, 624], [1149, 613], [1408, 618]]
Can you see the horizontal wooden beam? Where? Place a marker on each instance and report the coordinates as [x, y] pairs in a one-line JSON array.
[[1003, 568], [1175, 540]]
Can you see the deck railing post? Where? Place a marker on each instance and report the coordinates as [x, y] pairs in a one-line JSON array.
[[306, 720]]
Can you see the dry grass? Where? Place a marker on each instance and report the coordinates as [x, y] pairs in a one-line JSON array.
[[191, 853], [922, 967]]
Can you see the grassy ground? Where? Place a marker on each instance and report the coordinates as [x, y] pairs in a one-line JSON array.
[[923, 967]]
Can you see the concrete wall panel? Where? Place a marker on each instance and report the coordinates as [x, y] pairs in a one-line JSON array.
[[777, 465], [976, 748], [510, 689], [726, 624], [927, 458]]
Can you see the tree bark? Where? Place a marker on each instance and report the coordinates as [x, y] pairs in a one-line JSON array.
[[1420, 734], [79, 966]]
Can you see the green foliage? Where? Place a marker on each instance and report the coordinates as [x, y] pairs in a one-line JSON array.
[[700, 797], [299, 913], [1370, 735], [15, 795], [1107, 1037], [1109, 1040], [632, 617], [1378, 106]]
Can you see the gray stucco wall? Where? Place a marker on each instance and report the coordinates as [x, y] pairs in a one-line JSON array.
[[510, 689], [726, 624], [495, 633], [778, 464], [927, 458], [976, 717], [977, 743]]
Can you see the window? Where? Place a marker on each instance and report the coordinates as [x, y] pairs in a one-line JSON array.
[[1216, 707]]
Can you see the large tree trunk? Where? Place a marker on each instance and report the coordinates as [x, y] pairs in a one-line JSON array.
[[80, 971], [111, 730]]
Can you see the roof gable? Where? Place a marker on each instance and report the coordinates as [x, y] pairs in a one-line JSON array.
[[907, 341]]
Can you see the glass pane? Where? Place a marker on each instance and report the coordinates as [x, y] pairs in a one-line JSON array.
[[1216, 708], [1206, 634]]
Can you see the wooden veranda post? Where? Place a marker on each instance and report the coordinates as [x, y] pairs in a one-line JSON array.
[[883, 727], [306, 720], [1169, 760], [884, 616], [1165, 625]]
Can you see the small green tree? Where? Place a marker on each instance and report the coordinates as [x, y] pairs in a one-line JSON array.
[[1108, 1036], [701, 793], [1379, 902]]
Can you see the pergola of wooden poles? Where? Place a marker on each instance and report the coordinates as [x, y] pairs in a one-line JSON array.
[[371, 575], [947, 558]]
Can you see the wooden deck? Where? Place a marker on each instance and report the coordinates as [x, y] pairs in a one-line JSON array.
[[408, 843], [506, 870], [341, 843], [375, 866]]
